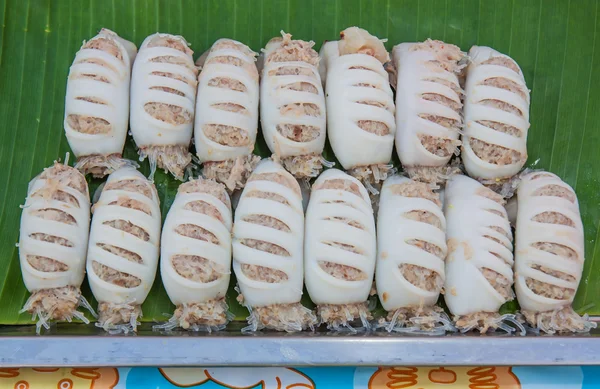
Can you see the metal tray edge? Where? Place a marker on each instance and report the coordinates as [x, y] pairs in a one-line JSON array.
[[304, 349]]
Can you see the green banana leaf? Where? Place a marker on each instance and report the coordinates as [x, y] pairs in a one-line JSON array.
[[553, 41]]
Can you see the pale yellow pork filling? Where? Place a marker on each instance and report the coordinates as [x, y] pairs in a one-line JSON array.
[[130, 185], [416, 189], [54, 304], [337, 316], [233, 172], [208, 315], [293, 50], [173, 158], [342, 272], [434, 175], [282, 317], [447, 56], [416, 319], [371, 174], [118, 317], [208, 186], [480, 321], [102, 165], [561, 320], [303, 166], [422, 277]]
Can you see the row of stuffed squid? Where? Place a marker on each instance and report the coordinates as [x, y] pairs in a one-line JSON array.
[[422, 243], [344, 92], [433, 232]]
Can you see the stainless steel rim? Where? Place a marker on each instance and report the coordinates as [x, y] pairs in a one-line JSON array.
[[87, 346]]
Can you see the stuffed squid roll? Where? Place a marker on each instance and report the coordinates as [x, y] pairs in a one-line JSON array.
[[196, 256], [123, 249], [549, 255], [360, 105], [227, 113], [496, 117], [411, 248], [97, 103], [340, 250], [292, 108], [479, 274], [163, 94], [428, 108], [53, 244], [268, 238]]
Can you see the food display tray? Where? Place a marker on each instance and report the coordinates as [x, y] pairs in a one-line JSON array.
[[80, 346], [553, 41]]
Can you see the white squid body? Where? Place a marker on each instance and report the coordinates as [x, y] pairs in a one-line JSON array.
[[98, 90], [495, 82], [358, 91], [127, 197], [41, 234], [214, 217], [469, 216], [264, 197], [281, 106], [329, 51], [163, 93], [534, 199], [394, 231], [416, 78], [337, 221], [212, 100]]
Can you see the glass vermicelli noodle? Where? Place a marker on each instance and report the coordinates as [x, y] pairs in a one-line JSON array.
[[428, 108], [292, 108], [268, 250], [549, 254], [123, 248], [53, 244], [226, 120], [411, 248], [340, 250], [479, 274], [496, 116], [360, 105], [97, 103], [196, 256], [163, 95]]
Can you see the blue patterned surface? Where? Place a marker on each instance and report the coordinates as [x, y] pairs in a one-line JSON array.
[[567, 377]]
